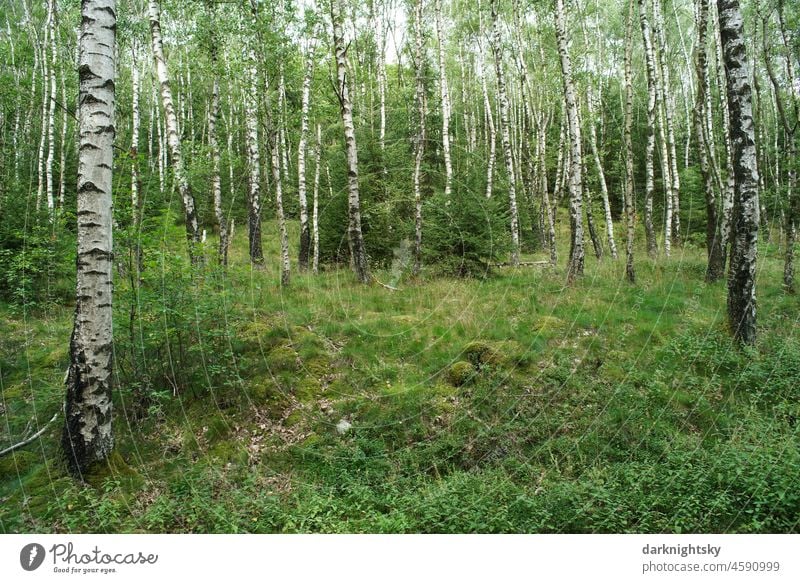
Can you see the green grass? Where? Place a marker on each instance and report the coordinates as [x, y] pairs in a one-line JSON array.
[[511, 404]]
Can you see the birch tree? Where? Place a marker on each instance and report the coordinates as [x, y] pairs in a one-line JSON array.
[[744, 250], [444, 94], [419, 143], [575, 182], [213, 143], [630, 213], [358, 253], [505, 127], [87, 435], [253, 163], [305, 235], [716, 260], [649, 229], [171, 125]]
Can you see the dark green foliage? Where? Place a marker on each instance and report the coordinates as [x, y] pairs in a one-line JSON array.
[[465, 236], [37, 257]]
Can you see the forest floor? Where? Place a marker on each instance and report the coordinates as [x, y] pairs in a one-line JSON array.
[[509, 404]]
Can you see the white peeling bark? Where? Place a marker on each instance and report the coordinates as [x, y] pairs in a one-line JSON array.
[[630, 212], [744, 244], [87, 437], [358, 253], [445, 98], [315, 207], [51, 114], [254, 163], [173, 136], [305, 235], [650, 234], [576, 255]]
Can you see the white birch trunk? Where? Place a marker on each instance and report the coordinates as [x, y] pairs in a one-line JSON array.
[[358, 253], [171, 124], [305, 236], [744, 245], [87, 437], [315, 207], [445, 98], [506, 135], [576, 255]]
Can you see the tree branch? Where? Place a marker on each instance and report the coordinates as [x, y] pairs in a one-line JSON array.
[[29, 440]]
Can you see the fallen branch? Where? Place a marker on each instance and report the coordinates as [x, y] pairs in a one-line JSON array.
[[375, 279], [31, 439], [523, 264]]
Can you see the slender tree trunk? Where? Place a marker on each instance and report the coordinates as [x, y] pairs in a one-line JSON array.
[[630, 211], [213, 144], [305, 235], [173, 137], [601, 175], [277, 180], [63, 143], [505, 126], [419, 145], [445, 97], [673, 185], [728, 185], [87, 436], [51, 114], [744, 250], [46, 98], [576, 252], [492, 138], [134, 153], [254, 164], [716, 261], [315, 208], [789, 127], [358, 253], [650, 234]]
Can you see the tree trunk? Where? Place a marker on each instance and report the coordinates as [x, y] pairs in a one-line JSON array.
[[505, 126], [576, 252], [741, 278], [315, 208], [358, 253], [716, 261], [789, 127], [213, 144], [630, 211], [492, 138], [51, 114], [134, 153], [419, 145], [40, 191], [87, 435], [173, 137], [673, 184], [254, 163], [601, 175], [305, 235], [728, 186], [445, 97], [277, 180], [63, 143], [650, 234]]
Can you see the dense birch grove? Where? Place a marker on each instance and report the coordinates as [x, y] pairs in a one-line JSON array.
[[409, 139]]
